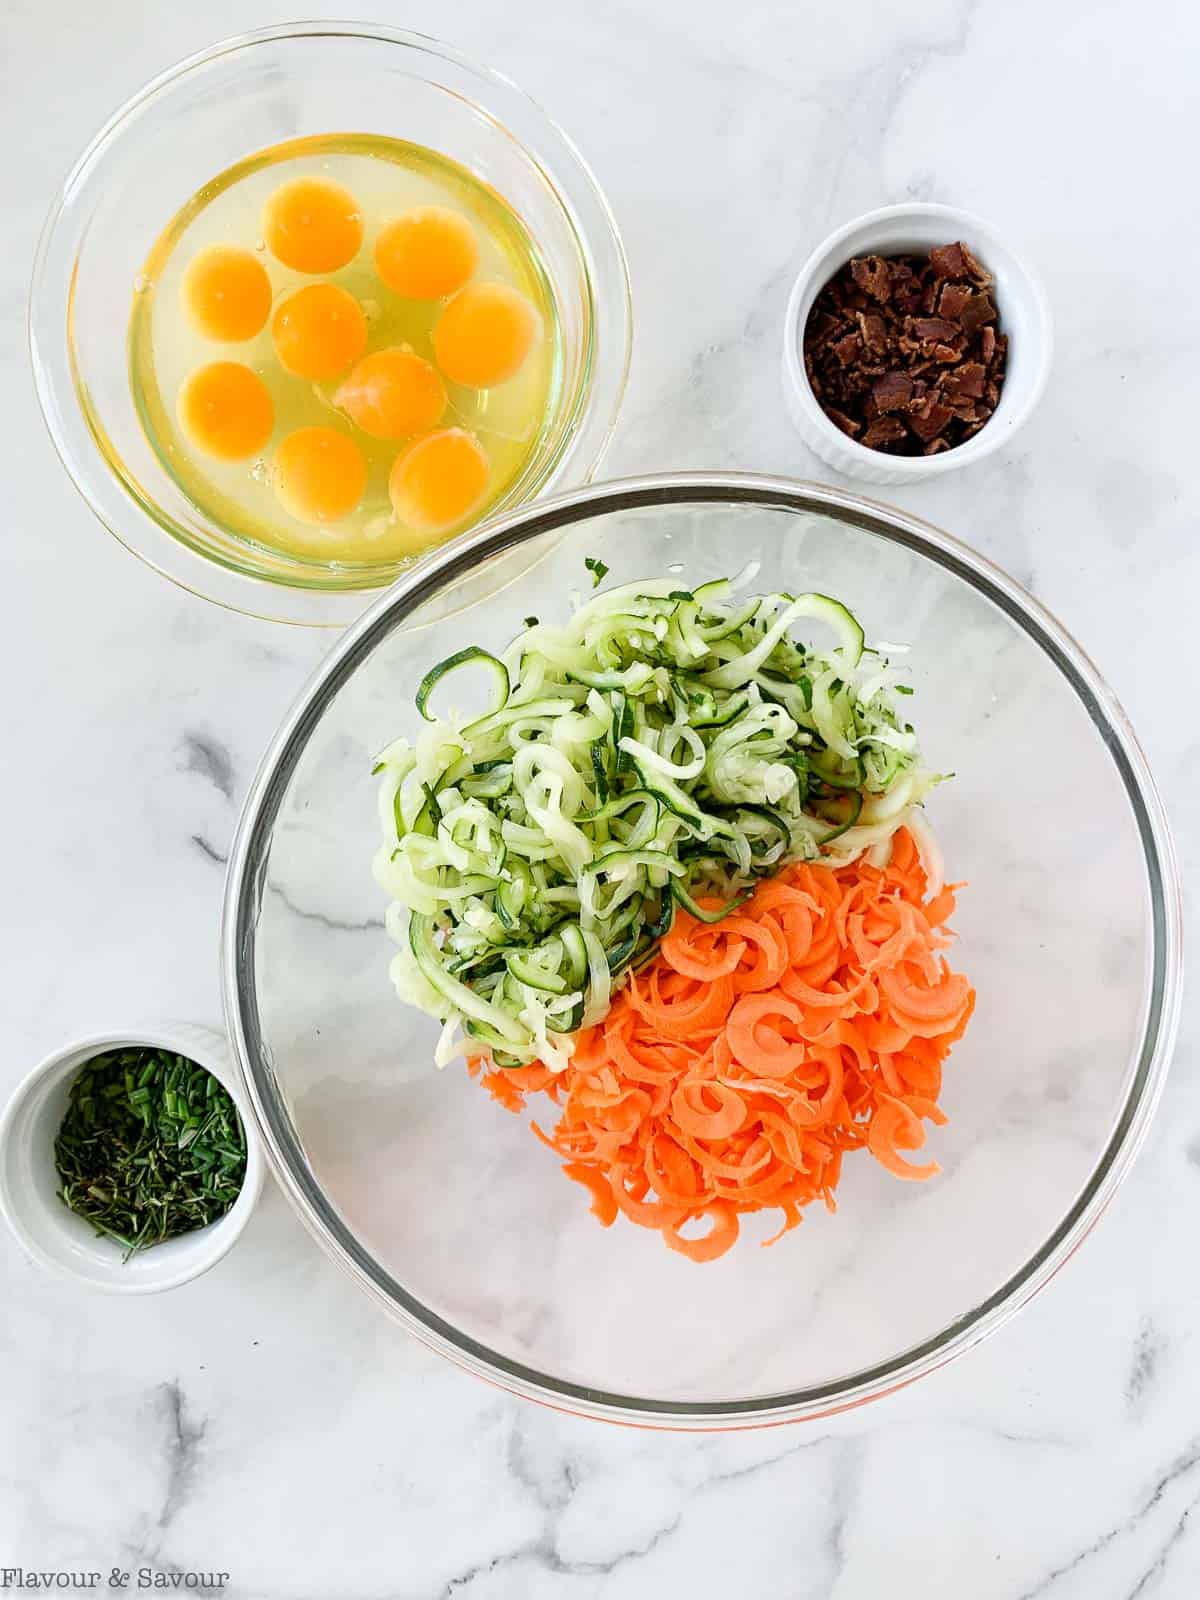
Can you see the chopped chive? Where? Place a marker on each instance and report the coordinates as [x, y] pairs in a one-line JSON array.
[[151, 1146]]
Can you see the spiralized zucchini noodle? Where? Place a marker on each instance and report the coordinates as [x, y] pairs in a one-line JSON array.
[[661, 746]]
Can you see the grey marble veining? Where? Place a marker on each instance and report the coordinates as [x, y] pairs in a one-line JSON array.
[[266, 1420]]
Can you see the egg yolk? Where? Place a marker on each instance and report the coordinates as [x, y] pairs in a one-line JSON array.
[[427, 253], [313, 225], [319, 331], [226, 411], [227, 293], [392, 393], [484, 335], [438, 480], [319, 474]]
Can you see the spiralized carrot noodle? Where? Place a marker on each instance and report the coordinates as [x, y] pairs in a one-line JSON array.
[[735, 1071]]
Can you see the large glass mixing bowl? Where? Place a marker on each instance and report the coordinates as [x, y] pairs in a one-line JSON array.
[[444, 1206]]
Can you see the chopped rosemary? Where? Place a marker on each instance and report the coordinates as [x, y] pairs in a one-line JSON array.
[[151, 1146]]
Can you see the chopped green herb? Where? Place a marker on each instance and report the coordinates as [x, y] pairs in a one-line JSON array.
[[597, 568], [531, 622], [151, 1146], [903, 688]]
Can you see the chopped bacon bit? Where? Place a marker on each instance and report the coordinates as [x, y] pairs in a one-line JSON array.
[[967, 381], [873, 330], [932, 330], [947, 261], [873, 276], [842, 421], [953, 298], [928, 417], [902, 352], [978, 311], [892, 392], [884, 430]]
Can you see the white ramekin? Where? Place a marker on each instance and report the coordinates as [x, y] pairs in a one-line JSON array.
[[53, 1235], [1024, 317]]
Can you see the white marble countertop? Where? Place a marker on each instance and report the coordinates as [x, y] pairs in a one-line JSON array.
[[267, 1421]]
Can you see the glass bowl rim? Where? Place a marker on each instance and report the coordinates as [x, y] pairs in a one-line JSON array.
[[249, 856], [176, 558]]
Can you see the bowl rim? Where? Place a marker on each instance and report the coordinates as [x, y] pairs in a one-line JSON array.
[[828, 257], [205, 1246], [141, 530], [248, 860]]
